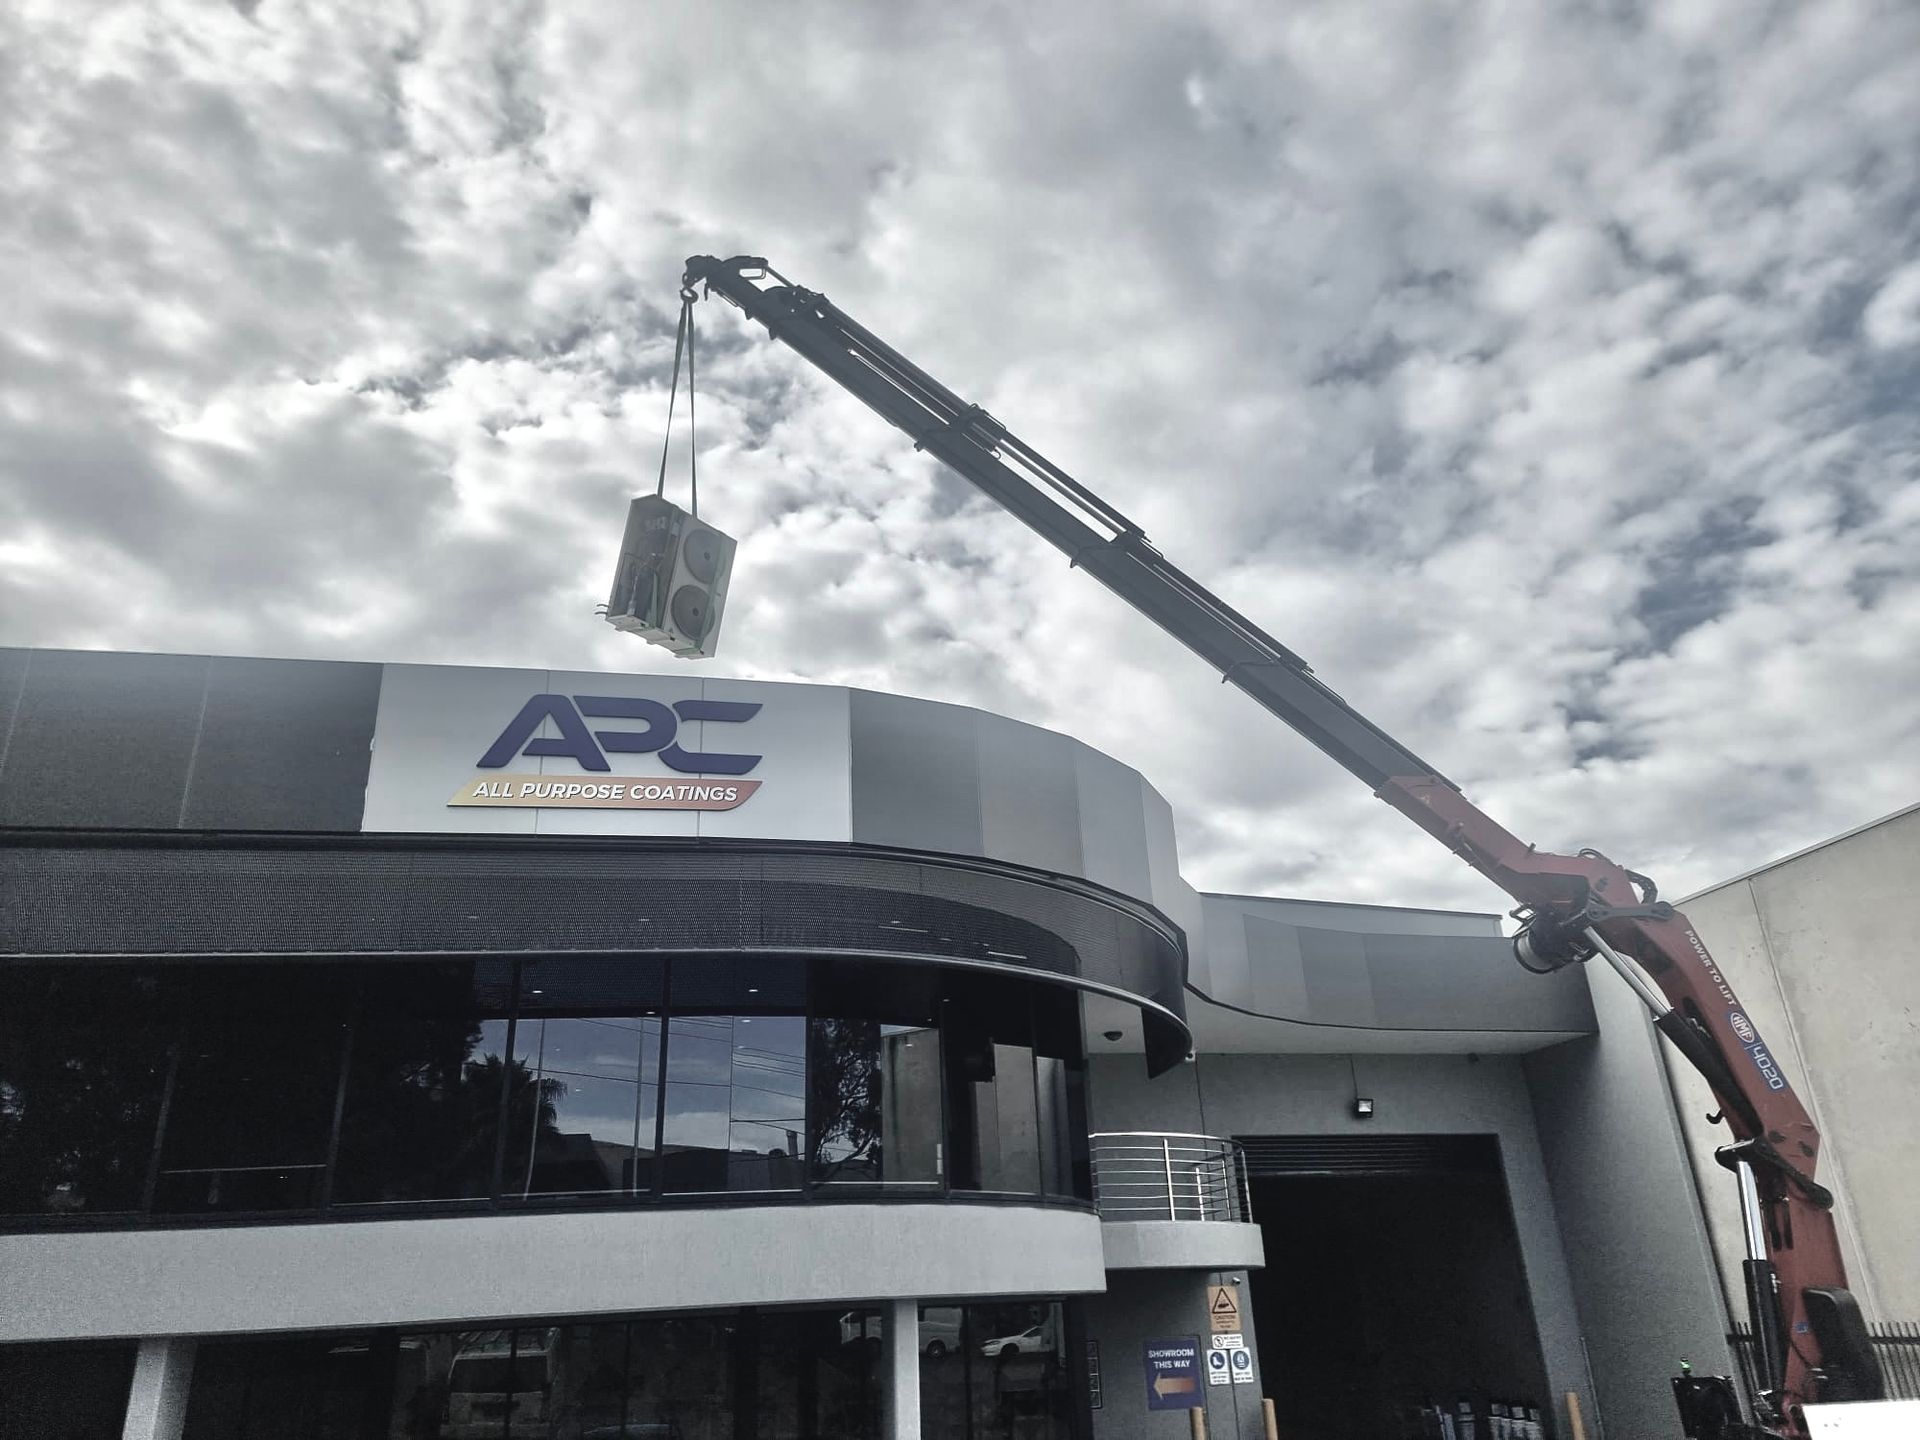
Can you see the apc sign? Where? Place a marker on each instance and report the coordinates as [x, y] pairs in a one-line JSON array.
[[647, 727]]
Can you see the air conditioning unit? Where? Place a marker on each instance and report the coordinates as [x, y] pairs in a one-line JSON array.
[[671, 582]]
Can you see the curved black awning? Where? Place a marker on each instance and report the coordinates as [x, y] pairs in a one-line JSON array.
[[157, 894]]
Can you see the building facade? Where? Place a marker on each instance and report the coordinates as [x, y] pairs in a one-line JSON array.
[[438, 1051], [1820, 948]]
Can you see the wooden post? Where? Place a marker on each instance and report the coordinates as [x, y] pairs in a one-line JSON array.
[[1573, 1416], [1197, 1422], [1273, 1421]]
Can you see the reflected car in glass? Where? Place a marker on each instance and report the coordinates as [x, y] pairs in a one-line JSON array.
[[496, 1389], [1037, 1340]]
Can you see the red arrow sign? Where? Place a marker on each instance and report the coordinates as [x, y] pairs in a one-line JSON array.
[[1165, 1385]]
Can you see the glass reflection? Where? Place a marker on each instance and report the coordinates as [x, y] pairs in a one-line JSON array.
[[680, 1379], [808, 1380], [83, 1064], [214, 1088], [1005, 1375], [595, 1079], [251, 1109], [987, 1372], [1006, 1123], [313, 1386], [421, 1116], [1020, 1382], [875, 1093], [1055, 1141], [735, 1108]]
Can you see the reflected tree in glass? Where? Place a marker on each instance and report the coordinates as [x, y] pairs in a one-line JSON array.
[[423, 1109], [83, 1064], [875, 1096], [843, 1063]]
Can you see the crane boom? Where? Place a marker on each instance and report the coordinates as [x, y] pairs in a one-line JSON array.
[[1811, 1343]]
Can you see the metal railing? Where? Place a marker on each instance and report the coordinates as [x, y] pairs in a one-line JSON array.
[[1897, 1347], [1147, 1175]]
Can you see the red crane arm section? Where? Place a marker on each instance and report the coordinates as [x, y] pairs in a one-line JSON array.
[[1707, 1024], [1575, 906]]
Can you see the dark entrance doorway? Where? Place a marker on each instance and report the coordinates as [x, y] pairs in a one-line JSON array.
[[1393, 1280]]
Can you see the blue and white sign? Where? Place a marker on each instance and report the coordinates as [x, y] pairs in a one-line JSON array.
[[548, 752], [1173, 1373]]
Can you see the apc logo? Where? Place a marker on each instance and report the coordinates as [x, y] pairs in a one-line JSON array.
[[660, 724]]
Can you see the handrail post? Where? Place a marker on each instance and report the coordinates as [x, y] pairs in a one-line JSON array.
[[1166, 1162]]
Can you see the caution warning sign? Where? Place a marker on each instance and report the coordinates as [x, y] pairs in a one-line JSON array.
[[1223, 1309]]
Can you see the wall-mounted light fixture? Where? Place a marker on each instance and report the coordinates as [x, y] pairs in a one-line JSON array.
[[1362, 1107]]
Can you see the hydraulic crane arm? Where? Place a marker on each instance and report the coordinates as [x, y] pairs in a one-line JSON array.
[[1811, 1343]]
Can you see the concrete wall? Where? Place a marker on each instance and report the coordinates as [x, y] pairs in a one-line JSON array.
[[1233, 1095], [1822, 950], [1182, 1244], [259, 1278], [1159, 1304], [1642, 1273]]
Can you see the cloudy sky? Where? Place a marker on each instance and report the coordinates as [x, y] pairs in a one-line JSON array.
[[1547, 375]]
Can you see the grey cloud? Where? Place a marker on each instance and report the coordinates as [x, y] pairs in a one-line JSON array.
[[1543, 377]]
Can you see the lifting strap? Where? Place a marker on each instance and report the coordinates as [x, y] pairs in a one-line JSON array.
[[682, 344]]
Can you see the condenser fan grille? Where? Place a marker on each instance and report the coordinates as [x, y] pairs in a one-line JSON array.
[[700, 553], [691, 612]]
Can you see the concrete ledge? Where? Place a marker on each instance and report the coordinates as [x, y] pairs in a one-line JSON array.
[[247, 1279], [1182, 1245]]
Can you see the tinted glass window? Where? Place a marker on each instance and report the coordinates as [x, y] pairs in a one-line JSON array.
[[250, 1116], [83, 1061], [233, 1088], [992, 1118], [1017, 1369], [1006, 1122], [681, 1377], [422, 1110], [1055, 1140], [813, 1374], [64, 1392], [735, 1114], [875, 1103], [596, 1079], [313, 1387]]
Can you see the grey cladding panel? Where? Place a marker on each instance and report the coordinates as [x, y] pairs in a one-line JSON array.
[[1395, 981], [1113, 824], [1446, 982], [916, 774], [102, 740], [13, 678], [1029, 796], [1338, 981], [1274, 964], [284, 746]]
